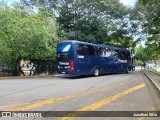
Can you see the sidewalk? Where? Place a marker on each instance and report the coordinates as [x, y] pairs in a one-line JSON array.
[[154, 78], [23, 77]]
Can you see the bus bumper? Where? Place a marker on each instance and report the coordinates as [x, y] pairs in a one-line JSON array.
[[69, 72]]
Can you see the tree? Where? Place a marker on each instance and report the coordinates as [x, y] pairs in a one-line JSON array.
[[90, 20], [26, 35], [142, 54], [151, 25]]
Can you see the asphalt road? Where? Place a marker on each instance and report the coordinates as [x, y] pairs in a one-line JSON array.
[[115, 92]]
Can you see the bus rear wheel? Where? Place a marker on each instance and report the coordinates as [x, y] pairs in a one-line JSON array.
[[96, 72]]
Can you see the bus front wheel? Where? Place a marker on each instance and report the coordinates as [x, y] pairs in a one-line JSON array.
[[126, 71], [96, 72]]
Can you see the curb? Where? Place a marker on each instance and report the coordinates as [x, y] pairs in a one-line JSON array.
[[155, 84]]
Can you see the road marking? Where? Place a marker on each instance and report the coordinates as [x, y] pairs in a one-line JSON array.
[[50, 101], [100, 103], [13, 105]]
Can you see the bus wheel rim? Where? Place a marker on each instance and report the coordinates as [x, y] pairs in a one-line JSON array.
[[96, 72]]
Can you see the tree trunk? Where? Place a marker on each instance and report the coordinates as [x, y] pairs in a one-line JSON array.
[[30, 73], [19, 68]]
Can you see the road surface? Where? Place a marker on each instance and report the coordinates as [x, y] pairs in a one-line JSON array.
[[114, 92]]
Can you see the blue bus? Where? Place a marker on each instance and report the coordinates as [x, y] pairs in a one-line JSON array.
[[82, 58]]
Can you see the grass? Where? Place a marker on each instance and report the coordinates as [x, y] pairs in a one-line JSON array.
[[154, 70]]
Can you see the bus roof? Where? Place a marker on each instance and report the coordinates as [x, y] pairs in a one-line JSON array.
[[98, 45]]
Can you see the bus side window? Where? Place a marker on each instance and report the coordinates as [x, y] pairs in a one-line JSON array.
[[99, 51], [91, 50], [112, 52], [125, 55], [108, 52], [120, 54], [82, 49]]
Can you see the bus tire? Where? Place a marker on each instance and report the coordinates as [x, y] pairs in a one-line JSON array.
[[126, 71], [96, 72], [129, 69], [133, 69]]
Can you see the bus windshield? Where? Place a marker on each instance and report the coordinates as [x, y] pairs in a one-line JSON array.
[[63, 52], [63, 47]]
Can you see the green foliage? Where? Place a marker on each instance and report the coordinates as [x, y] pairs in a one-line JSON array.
[[26, 35], [91, 20], [154, 70], [146, 53], [151, 25], [138, 63]]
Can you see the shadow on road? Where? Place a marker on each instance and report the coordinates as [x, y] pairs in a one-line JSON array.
[[85, 76]]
